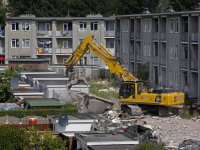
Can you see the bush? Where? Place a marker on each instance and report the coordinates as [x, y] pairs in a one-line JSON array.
[[150, 146], [68, 109]]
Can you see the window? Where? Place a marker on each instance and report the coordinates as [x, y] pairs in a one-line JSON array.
[[171, 51], [156, 49], [176, 52], [110, 44], [126, 26], [176, 78], [15, 26], [149, 26], [82, 61], [109, 26], [47, 26], [124, 48], [64, 60], [80, 41], [171, 26], [26, 43], [170, 77], [67, 43], [149, 49], [65, 26], [94, 60], [94, 26], [82, 26], [145, 49], [15, 43], [25, 26], [15, 57], [176, 25], [123, 26], [144, 25], [41, 26]]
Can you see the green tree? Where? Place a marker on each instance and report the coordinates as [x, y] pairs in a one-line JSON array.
[[162, 6], [2, 14], [143, 72], [183, 5]]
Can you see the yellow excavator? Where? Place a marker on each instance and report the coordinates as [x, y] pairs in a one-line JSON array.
[[132, 91]]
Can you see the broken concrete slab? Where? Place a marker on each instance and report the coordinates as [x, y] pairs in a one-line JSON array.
[[96, 106]]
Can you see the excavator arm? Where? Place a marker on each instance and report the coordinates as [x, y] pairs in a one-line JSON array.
[[114, 64]]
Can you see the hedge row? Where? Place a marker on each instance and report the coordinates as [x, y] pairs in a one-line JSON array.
[[68, 109]]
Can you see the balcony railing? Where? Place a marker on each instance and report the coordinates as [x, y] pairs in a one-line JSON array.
[[111, 50], [118, 34], [138, 35], [63, 50], [194, 37], [194, 65], [163, 36], [155, 36], [155, 59], [163, 61], [138, 57], [185, 37], [184, 63], [63, 33], [44, 50], [2, 50], [109, 33], [44, 33], [132, 34], [2, 32]]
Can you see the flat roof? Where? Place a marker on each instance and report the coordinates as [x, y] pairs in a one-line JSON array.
[[45, 103], [27, 92], [46, 76], [60, 82], [113, 147], [29, 59], [76, 116], [39, 99]]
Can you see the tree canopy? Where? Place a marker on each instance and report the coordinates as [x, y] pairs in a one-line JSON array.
[[2, 13], [79, 8]]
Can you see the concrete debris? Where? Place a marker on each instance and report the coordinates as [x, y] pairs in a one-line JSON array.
[[189, 145], [111, 89], [196, 119]]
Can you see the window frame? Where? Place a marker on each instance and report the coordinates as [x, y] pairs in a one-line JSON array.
[[176, 25], [123, 26], [25, 23], [124, 48], [171, 30], [15, 43], [176, 78], [65, 41], [149, 26], [145, 25], [176, 52], [93, 60], [126, 29], [171, 52], [64, 25], [15, 23], [149, 49], [171, 77], [84, 23], [145, 49], [24, 42], [127, 49], [92, 25]]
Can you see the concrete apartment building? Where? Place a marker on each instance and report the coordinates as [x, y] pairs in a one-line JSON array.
[[56, 38], [169, 41]]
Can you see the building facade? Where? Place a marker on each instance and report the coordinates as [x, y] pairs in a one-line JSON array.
[[56, 38], [169, 41]]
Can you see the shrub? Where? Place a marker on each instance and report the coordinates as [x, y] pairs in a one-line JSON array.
[[150, 146]]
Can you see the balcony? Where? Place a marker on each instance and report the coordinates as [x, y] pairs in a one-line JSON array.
[[111, 50], [109, 33], [194, 37], [138, 57], [44, 33], [132, 34], [138, 35], [2, 50], [163, 36], [155, 36], [184, 63], [185, 37], [155, 59], [63, 51], [2, 32], [44, 51], [63, 33], [118, 34], [194, 65], [163, 61]]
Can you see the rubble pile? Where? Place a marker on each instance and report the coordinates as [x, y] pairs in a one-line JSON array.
[[174, 130], [197, 106], [189, 145]]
